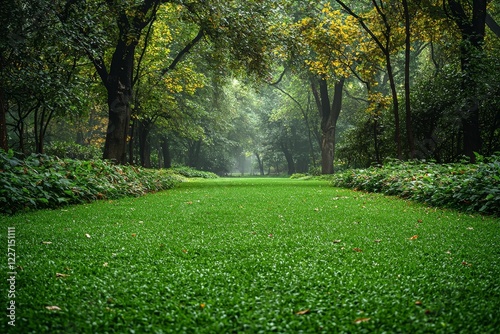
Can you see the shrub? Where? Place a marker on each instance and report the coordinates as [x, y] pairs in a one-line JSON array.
[[299, 176], [191, 172], [41, 181], [73, 151], [468, 187]]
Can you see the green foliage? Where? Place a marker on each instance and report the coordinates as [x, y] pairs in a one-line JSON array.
[[191, 172], [41, 181], [300, 176], [73, 151], [469, 187]]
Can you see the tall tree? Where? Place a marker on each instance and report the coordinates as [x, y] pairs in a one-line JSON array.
[[408, 116], [381, 10], [472, 26]]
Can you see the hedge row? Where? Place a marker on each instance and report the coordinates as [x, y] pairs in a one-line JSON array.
[[190, 172], [42, 181], [463, 186]]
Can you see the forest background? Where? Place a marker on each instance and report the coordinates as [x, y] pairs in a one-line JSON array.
[[261, 86]]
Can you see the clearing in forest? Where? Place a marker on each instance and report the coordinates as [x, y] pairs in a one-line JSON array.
[[253, 255]]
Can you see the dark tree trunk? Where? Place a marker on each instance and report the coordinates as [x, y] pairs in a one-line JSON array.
[[4, 144], [409, 119], [261, 163], [144, 145], [165, 149], [131, 141], [473, 32], [329, 116], [289, 158], [119, 88], [194, 153], [42, 120]]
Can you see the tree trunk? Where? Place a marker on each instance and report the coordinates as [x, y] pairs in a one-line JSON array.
[[165, 149], [4, 144], [144, 145], [194, 153], [329, 116], [261, 163], [409, 122], [119, 88], [289, 159], [473, 32]]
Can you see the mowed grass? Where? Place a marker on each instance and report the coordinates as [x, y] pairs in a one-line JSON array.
[[255, 255]]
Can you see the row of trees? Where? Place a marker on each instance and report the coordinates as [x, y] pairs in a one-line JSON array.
[[292, 84]]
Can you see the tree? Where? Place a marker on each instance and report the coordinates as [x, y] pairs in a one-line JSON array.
[[472, 26], [384, 39]]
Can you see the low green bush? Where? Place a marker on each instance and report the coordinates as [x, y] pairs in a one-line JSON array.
[[42, 181], [191, 172], [73, 151], [463, 186]]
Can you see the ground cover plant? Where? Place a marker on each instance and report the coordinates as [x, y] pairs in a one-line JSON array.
[[42, 181], [463, 186], [254, 255]]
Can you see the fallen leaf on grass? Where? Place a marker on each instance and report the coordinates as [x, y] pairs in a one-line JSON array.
[[303, 312], [470, 228], [202, 305], [414, 237], [184, 251], [316, 209], [87, 235], [360, 320], [464, 263], [105, 264], [377, 240], [61, 275], [46, 242], [190, 202], [134, 234], [356, 249], [53, 308], [418, 302], [337, 241]]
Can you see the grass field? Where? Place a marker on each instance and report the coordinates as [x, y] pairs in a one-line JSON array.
[[253, 255]]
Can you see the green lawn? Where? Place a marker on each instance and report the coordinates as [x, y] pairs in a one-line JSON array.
[[254, 255]]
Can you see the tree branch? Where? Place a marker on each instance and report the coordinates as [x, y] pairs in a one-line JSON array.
[[186, 49], [493, 25]]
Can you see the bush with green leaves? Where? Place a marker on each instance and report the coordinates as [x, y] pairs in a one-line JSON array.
[[73, 150], [191, 172], [463, 186], [42, 181]]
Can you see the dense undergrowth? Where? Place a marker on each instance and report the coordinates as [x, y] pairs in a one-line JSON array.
[[463, 186], [42, 181]]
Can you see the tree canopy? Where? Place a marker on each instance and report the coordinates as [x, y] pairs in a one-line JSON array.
[[261, 86]]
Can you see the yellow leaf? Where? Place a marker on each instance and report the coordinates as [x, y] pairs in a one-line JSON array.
[[303, 312], [360, 320], [53, 308], [61, 275]]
